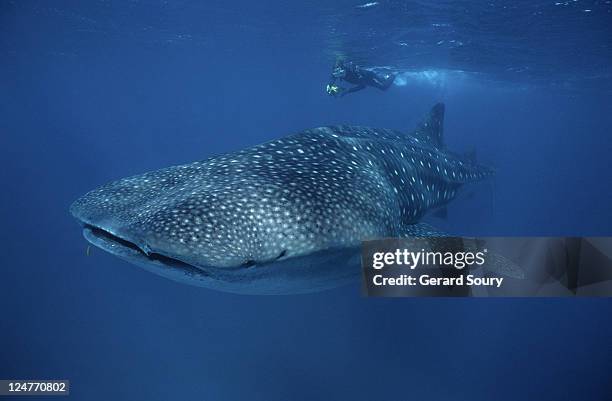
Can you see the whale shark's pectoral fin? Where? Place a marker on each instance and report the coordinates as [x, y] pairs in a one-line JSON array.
[[495, 263], [500, 265], [421, 230], [431, 129]]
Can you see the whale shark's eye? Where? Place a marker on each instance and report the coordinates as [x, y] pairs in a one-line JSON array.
[[251, 262], [248, 263]]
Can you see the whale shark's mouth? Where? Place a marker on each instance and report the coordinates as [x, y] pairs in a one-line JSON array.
[[128, 250]]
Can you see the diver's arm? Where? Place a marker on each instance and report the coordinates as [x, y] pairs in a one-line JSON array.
[[353, 89]]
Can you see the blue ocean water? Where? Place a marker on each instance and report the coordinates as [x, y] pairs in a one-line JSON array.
[[95, 91]]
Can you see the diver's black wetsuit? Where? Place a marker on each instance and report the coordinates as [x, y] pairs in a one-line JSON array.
[[360, 77]]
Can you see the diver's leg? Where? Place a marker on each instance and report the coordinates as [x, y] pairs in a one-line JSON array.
[[383, 80]]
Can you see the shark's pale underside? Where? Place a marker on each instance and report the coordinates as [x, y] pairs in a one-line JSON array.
[[286, 216]]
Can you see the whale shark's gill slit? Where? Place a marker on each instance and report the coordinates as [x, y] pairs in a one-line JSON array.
[[166, 260]]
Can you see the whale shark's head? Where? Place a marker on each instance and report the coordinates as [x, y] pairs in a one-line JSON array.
[[218, 224], [195, 222]]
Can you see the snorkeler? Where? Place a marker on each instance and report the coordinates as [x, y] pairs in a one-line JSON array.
[[359, 76]]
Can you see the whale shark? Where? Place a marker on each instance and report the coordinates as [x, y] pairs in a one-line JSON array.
[[286, 216]]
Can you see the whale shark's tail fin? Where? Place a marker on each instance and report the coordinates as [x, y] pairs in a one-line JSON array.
[[431, 129]]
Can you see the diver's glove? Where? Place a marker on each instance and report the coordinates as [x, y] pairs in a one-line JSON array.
[[333, 90]]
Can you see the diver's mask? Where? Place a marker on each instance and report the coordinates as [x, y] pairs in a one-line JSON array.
[[338, 72]]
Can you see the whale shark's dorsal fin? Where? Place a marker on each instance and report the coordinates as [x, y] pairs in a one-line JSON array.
[[431, 129]]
